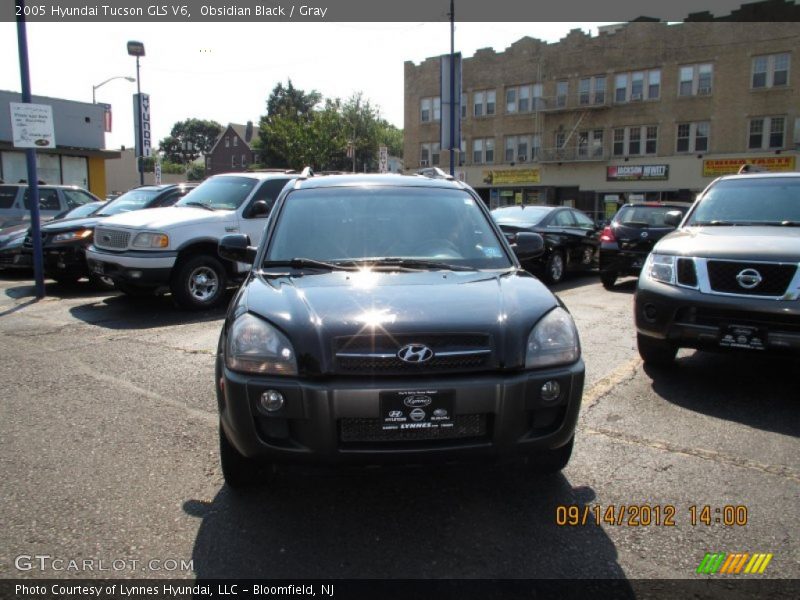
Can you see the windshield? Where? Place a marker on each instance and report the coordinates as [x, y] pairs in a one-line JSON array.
[[524, 216], [750, 201], [131, 200], [84, 210], [220, 193], [353, 224], [646, 216]]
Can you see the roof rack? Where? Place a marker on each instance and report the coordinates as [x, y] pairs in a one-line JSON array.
[[307, 172], [751, 168], [434, 173]]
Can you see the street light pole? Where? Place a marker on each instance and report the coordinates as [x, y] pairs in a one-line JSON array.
[[94, 87], [137, 49]]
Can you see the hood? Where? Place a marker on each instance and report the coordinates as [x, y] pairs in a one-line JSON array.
[[780, 244], [13, 231], [166, 217], [343, 310], [71, 224]]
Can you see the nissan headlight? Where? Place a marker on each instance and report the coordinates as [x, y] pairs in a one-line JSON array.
[[72, 236], [151, 240], [553, 341], [660, 267], [255, 346]]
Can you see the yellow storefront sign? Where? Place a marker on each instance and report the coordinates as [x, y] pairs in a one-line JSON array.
[[513, 176], [727, 166]]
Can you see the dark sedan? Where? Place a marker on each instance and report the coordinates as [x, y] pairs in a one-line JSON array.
[[64, 242], [571, 237], [631, 235]]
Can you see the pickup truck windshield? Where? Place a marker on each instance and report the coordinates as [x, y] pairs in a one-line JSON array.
[[220, 193], [750, 201], [443, 227]]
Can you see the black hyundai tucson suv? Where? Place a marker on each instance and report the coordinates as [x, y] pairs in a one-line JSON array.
[[386, 318], [728, 279]]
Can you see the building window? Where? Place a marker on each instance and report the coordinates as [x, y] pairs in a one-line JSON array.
[[590, 143], [235, 141], [695, 80], [518, 99], [244, 160], [562, 89], [233, 161], [592, 90], [638, 85], [767, 133], [483, 103], [463, 106], [227, 141], [430, 109], [429, 154], [630, 138], [511, 100], [520, 148], [693, 137], [483, 151], [770, 71]]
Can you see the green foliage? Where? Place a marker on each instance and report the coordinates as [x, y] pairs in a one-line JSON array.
[[295, 133], [189, 139]]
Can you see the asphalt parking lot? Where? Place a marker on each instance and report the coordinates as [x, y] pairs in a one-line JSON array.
[[109, 438]]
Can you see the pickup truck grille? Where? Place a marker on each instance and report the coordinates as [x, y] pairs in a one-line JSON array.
[[111, 239]]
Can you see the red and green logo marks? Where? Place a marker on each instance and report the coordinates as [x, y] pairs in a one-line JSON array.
[[742, 563]]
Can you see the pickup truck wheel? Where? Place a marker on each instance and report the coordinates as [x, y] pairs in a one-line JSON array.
[[551, 461], [199, 282], [240, 471], [656, 352]]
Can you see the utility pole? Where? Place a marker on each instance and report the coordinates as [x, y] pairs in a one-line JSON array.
[[453, 87]]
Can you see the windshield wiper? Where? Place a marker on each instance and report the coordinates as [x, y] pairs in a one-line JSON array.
[[308, 263], [200, 204], [411, 263]]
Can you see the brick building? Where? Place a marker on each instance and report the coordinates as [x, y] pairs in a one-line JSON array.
[[232, 151], [641, 111]]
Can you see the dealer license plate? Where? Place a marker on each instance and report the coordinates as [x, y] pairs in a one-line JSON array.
[[417, 409], [743, 336]]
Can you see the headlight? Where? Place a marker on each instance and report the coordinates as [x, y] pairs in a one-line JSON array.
[[255, 346], [151, 240], [554, 341], [71, 236], [660, 267]]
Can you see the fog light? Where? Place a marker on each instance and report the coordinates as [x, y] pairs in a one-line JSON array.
[[650, 312], [272, 401], [551, 391], [135, 274]]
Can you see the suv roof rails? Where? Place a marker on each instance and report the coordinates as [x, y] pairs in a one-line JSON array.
[[307, 172], [434, 173], [750, 168]]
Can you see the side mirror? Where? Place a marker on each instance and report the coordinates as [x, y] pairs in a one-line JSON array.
[[673, 218], [259, 209], [528, 245], [236, 247]]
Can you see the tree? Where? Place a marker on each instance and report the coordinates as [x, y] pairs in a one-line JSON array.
[[288, 108], [189, 139]]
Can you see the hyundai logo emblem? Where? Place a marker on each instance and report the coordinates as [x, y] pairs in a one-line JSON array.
[[749, 278], [415, 353], [644, 234]]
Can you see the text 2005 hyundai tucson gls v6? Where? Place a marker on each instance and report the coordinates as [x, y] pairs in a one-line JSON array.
[[386, 318]]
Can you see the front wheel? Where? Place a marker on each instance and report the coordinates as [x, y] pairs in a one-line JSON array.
[[199, 282], [654, 351], [554, 269], [551, 461], [238, 470]]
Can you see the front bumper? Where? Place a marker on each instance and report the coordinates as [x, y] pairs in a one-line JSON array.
[[309, 428], [137, 268], [691, 319], [67, 259], [15, 258]]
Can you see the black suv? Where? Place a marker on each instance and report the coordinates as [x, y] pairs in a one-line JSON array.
[[630, 236], [64, 243], [386, 318], [729, 277]]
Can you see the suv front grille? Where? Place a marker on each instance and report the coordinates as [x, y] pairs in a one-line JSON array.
[[775, 277], [111, 238], [687, 273], [369, 430]]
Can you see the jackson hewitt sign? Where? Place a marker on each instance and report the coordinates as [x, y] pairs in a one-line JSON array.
[[637, 173]]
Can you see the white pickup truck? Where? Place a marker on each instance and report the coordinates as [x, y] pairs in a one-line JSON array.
[[176, 247]]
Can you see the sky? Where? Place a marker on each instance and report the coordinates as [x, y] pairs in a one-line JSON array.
[[226, 71]]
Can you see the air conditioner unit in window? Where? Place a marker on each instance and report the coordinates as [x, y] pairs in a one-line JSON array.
[[522, 158], [423, 163], [635, 97], [703, 91]]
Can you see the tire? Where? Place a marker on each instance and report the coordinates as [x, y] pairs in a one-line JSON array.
[[555, 267], [102, 283], [608, 279], [551, 461], [199, 282], [656, 352], [133, 290], [240, 471]]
